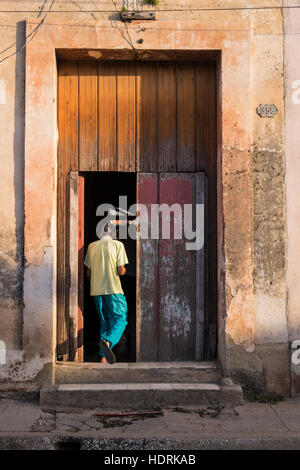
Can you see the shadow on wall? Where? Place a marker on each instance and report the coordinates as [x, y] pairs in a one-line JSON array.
[[19, 165]]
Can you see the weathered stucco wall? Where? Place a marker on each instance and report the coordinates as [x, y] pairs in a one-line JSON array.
[[12, 190], [292, 146], [253, 328], [265, 362]]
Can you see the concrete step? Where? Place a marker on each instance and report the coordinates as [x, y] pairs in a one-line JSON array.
[[137, 372], [138, 395]]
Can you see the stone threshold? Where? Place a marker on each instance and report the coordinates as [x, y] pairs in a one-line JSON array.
[[136, 372], [142, 365], [138, 395]]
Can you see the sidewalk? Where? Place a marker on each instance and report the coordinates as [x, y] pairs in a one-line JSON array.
[[250, 426]]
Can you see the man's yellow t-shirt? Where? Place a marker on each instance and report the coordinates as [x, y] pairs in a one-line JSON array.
[[103, 258]]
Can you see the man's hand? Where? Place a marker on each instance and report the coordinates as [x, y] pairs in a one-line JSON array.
[[121, 270], [88, 273]]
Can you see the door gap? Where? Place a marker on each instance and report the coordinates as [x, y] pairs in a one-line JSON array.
[[106, 187]]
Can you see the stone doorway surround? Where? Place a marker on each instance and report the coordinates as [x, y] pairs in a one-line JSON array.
[[231, 40]]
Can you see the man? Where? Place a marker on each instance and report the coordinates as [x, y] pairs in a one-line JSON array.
[[105, 260]]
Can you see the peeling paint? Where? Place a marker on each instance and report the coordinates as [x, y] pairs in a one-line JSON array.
[[95, 54], [177, 315]]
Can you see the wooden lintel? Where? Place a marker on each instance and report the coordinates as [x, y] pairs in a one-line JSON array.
[[137, 54]]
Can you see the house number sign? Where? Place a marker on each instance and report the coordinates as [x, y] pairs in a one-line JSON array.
[[267, 110]]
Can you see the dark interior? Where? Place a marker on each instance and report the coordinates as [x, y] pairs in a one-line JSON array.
[[106, 187]]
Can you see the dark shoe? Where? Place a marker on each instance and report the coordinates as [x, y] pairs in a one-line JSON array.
[[111, 358]]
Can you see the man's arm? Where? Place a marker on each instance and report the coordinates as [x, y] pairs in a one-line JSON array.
[[87, 263], [121, 270], [121, 259]]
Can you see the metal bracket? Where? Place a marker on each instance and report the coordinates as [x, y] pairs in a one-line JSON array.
[[137, 15]]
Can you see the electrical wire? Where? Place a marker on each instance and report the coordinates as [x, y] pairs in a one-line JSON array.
[[32, 34], [28, 38], [284, 7]]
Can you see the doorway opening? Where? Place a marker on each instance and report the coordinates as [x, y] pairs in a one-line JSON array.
[[100, 188]]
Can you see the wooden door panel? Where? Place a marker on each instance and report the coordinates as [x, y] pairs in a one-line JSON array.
[[107, 138], [67, 160], [147, 275], [126, 116], [75, 264], [176, 276], [140, 116], [146, 117], [171, 280], [88, 116], [186, 114], [206, 138], [147, 129], [201, 278], [166, 117], [205, 102], [80, 254]]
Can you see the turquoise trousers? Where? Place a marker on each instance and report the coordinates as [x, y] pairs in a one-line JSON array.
[[112, 310]]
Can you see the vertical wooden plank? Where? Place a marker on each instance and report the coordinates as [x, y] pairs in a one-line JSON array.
[[72, 259], [107, 143], [67, 159], [88, 116], [147, 276], [80, 318], [126, 125], [68, 114], [201, 198], [176, 275], [146, 116], [75, 215], [206, 140], [166, 117], [71, 115], [62, 317], [186, 118], [205, 116]]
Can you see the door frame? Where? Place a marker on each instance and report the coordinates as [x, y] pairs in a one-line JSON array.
[[210, 335], [228, 45]]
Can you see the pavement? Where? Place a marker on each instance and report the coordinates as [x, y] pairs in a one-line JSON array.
[[253, 425]]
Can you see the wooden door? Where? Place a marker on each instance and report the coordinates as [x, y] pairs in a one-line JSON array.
[[171, 278], [75, 244], [144, 117]]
